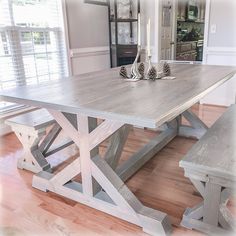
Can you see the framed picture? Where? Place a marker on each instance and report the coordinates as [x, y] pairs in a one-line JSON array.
[[97, 2]]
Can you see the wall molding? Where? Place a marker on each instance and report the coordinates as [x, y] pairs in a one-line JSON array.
[[90, 51], [224, 51]]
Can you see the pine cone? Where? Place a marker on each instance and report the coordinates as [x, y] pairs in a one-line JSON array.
[[160, 67], [141, 69], [166, 69], [123, 72], [152, 74]]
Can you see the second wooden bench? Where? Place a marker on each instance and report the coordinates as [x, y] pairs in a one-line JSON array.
[[211, 167]]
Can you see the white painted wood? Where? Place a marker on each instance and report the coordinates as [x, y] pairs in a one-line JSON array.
[[66, 35], [206, 30], [68, 173], [85, 157], [91, 51], [210, 167], [30, 128], [104, 95], [215, 153], [116, 145], [47, 142], [194, 120], [211, 204], [102, 132], [31, 159], [65, 124], [136, 161], [118, 199], [196, 212], [35, 119], [152, 221], [203, 227]]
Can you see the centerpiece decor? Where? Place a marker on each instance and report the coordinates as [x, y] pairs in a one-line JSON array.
[[138, 71]]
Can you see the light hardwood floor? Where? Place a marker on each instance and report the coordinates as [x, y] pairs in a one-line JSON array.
[[160, 184]]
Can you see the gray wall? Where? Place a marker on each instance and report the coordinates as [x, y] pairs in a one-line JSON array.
[[87, 24], [223, 15]]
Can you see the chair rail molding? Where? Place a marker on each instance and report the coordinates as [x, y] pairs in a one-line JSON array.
[[224, 51], [90, 51], [89, 59]]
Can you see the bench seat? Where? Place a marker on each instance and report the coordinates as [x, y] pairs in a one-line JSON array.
[[36, 119], [211, 166]]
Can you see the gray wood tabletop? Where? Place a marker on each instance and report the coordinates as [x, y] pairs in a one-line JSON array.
[[105, 95], [215, 152]]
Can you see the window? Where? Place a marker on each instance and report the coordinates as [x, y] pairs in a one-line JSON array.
[[32, 47]]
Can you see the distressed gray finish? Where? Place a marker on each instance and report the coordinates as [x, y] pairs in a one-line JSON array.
[[105, 95], [116, 199], [211, 165], [35, 119], [137, 160], [120, 104], [215, 152]]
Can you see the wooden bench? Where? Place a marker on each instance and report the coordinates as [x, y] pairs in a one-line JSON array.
[[30, 129], [211, 167]]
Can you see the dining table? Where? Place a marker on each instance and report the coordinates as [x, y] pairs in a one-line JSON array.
[[105, 107]]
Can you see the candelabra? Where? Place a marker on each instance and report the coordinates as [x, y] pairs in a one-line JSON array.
[[135, 75]]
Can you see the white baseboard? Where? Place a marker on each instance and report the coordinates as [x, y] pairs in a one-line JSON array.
[[5, 129]]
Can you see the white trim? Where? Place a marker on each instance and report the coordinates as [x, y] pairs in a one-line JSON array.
[[224, 51], [66, 35], [91, 51], [206, 30], [5, 129], [158, 20]]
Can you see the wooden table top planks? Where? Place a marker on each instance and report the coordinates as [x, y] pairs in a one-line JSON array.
[[105, 95], [216, 154]]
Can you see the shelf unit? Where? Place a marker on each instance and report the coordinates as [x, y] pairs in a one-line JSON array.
[[123, 31]]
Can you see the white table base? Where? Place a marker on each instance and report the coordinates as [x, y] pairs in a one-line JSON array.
[[103, 186]]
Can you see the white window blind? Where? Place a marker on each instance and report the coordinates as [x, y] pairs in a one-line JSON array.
[[32, 46]]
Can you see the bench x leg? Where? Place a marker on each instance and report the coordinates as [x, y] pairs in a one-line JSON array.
[[210, 216], [113, 197], [32, 159]]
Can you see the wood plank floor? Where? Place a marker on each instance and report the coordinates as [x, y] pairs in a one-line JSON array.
[[160, 184]]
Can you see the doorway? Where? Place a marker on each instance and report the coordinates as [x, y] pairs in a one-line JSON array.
[[182, 30]]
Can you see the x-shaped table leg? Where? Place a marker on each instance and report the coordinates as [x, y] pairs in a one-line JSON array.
[[114, 197]]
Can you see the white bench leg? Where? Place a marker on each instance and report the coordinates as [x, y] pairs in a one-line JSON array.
[[32, 159], [210, 216]]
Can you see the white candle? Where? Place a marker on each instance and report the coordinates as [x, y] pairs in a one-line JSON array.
[[139, 30], [148, 37]]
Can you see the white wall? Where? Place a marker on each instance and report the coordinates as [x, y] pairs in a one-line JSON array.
[[221, 47], [88, 35]]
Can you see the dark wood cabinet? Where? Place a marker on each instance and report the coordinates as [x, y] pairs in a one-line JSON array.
[[123, 28]]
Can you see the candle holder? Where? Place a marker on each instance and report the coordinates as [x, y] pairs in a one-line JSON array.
[[135, 75]]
